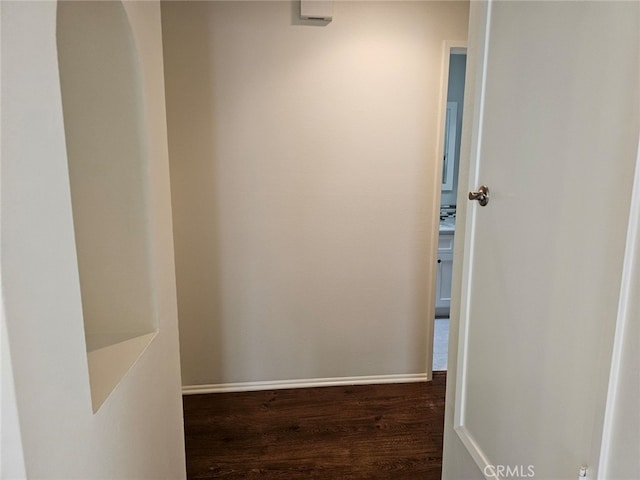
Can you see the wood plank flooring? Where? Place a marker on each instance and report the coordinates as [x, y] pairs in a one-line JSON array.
[[357, 432]]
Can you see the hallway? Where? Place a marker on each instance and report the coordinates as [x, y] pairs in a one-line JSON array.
[[367, 431]]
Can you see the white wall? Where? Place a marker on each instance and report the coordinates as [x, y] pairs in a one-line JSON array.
[[11, 454], [138, 431], [304, 185], [100, 79]]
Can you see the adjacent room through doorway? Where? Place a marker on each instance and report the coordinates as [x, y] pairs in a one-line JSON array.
[[449, 192]]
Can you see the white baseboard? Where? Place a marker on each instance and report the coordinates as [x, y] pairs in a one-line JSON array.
[[303, 383]]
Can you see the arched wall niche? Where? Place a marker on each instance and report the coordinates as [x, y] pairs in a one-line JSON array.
[[106, 140]]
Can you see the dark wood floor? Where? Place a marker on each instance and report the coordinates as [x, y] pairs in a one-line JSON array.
[[357, 432]]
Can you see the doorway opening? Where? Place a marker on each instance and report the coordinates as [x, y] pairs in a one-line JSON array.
[[456, 69]]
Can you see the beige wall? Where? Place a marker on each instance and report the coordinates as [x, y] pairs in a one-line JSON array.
[[137, 433], [304, 185]]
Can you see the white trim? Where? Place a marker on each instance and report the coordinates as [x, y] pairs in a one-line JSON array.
[[303, 383], [477, 454], [448, 48], [627, 293]]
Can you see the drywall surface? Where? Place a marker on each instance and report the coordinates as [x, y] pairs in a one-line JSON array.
[[137, 433], [304, 185], [105, 126], [11, 455], [624, 448]]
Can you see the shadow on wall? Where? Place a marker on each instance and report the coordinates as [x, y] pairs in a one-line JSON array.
[[194, 171], [106, 135]]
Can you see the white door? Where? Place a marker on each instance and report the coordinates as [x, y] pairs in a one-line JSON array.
[[555, 140]]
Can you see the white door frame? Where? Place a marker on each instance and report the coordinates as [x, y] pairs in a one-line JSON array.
[[449, 47]]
